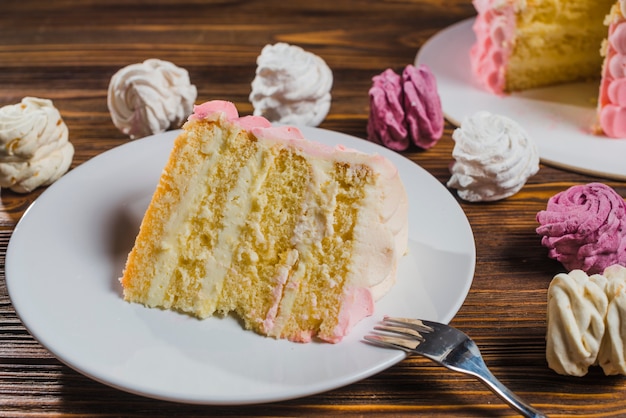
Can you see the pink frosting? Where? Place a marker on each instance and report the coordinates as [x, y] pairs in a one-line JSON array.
[[584, 227], [214, 107], [357, 304], [258, 125], [612, 102], [253, 122], [494, 28], [424, 115], [405, 109]]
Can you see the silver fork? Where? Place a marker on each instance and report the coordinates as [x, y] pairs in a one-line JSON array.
[[447, 346]]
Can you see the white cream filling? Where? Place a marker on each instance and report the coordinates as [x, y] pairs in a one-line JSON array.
[[219, 260], [172, 231], [240, 199], [311, 228]]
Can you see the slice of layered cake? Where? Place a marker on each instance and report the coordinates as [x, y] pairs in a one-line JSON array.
[[296, 238]]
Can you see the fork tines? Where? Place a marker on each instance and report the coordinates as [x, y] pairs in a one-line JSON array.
[[417, 324], [403, 333]]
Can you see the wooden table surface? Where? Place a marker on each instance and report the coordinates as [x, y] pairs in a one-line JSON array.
[[68, 50]]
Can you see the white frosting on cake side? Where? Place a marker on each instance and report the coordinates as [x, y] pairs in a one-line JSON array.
[[34, 145], [291, 86], [494, 157], [150, 97]]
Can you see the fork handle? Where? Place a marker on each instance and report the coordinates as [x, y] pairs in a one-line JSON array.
[[507, 395]]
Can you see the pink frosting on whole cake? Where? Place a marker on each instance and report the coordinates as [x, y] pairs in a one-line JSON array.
[[584, 227], [612, 101], [494, 28], [405, 109]]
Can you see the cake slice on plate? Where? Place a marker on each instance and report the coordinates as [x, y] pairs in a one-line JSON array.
[[297, 238]]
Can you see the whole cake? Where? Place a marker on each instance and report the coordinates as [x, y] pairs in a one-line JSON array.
[[523, 44], [297, 238], [612, 100]]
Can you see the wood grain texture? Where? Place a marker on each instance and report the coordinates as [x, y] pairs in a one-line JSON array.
[[67, 51]]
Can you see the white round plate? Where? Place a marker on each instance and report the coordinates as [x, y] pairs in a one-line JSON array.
[[67, 252], [558, 118]]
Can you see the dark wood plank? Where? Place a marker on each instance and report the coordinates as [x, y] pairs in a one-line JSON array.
[[68, 50]]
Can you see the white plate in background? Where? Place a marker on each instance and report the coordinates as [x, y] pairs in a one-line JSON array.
[[557, 118]]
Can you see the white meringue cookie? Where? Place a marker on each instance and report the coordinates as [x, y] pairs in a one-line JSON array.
[[150, 97], [494, 157], [612, 354], [34, 146], [577, 306], [291, 86]]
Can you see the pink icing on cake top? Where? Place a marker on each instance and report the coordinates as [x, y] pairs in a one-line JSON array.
[[494, 28], [584, 227], [214, 108], [612, 101]]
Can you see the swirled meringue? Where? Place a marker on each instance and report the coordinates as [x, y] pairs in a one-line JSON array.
[[587, 322], [422, 105], [612, 354], [584, 227], [405, 109], [150, 97], [386, 124], [577, 306], [34, 145], [292, 86], [494, 157]]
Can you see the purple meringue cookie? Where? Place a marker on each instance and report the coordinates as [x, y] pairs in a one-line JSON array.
[[386, 120], [584, 227], [422, 106]]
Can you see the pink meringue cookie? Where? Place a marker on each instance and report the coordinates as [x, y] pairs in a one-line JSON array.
[[386, 122], [584, 227], [405, 109], [422, 106]]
